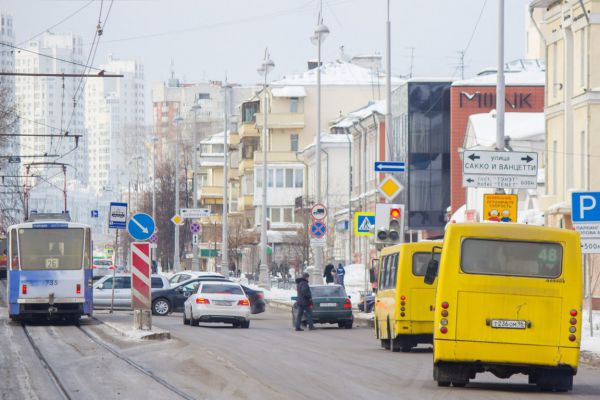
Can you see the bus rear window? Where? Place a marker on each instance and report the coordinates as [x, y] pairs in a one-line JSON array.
[[420, 261], [511, 258], [51, 249]]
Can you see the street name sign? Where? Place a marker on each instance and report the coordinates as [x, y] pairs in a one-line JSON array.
[[390, 187], [140, 226], [389, 166], [364, 222], [192, 213], [140, 275], [117, 216], [317, 242], [500, 169], [318, 212], [585, 215]]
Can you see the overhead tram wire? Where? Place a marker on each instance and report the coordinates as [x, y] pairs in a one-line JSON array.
[[49, 56]]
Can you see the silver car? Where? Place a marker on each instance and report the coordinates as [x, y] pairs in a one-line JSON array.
[[102, 267], [103, 290]]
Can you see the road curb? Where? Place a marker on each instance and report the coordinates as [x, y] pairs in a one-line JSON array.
[[589, 358], [126, 331], [360, 319]]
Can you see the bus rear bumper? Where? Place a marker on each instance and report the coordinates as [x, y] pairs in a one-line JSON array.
[[519, 357]]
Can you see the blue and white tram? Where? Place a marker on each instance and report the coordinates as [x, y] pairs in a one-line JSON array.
[[49, 270]]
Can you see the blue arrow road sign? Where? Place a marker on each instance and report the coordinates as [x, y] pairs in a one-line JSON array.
[[318, 229], [389, 166], [586, 206], [94, 213], [140, 226]]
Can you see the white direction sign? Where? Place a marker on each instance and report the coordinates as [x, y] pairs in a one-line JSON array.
[[317, 242], [590, 237], [192, 213], [500, 181], [500, 169]]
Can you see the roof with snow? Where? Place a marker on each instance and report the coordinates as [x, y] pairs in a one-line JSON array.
[[523, 129], [216, 138], [338, 73], [522, 78], [289, 91], [352, 117]]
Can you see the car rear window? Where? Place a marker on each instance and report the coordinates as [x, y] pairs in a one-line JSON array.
[[229, 289], [328, 291], [420, 262], [157, 283], [511, 258], [103, 262]]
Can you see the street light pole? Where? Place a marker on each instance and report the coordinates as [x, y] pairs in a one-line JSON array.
[[321, 33], [225, 226], [178, 125], [500, 88], [264, 280], [195, 108]]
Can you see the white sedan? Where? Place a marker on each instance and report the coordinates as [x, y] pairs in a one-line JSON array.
[[216, 301]]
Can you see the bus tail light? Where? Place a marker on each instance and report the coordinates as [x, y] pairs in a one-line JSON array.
[[573, 313], [347, 304], [445, 305], [202, 300], [573, 321], [444, 330], [444, 313], [78, 288], [572, 337], [23, 289]]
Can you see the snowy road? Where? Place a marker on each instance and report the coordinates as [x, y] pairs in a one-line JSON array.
[[267, 361]]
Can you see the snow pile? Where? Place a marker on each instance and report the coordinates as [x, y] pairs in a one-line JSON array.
[[591, 343]]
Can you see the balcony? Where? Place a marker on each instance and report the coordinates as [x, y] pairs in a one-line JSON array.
[[246, 202], [245, 165], [211, 192], [282, 120], [248, 129]]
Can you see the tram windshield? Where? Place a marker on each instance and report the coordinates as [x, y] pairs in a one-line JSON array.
[[51, 249]]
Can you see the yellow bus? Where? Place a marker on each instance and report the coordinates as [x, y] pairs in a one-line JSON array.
[[404, 303], [508, 301]]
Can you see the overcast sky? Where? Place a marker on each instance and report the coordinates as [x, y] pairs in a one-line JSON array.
[[208, 39]]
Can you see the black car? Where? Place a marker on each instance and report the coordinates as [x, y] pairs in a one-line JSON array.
[[370, 301], [171, 300]]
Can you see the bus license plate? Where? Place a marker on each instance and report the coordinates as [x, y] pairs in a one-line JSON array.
[[508, 324], [328, 304]]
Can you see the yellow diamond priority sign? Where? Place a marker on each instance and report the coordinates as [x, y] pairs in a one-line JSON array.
[[177, 219], [390, 187]]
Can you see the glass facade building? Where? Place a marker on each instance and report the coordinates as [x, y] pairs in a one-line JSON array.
[[421, 138]]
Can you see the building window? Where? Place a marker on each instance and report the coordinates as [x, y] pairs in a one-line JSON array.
[[294, 142], [288, 214], [279, 177], [275, 214], [294, 104], [289, 178], [299, 178], [270, 178], [554, 69]]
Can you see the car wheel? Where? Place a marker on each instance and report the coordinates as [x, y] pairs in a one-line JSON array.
[[348, 324], [161, 307], [194, 321], [246, 324], [186, 321]]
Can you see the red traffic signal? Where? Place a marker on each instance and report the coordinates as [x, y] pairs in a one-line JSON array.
[[395, 213]]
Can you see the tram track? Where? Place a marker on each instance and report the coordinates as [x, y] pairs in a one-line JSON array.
[[61, 385]]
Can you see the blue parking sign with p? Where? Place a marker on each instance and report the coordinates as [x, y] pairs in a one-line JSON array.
[[585, 206]]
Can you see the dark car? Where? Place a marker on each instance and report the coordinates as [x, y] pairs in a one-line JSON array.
[[370, 301], [331, 305], [171, 300], [256, 298]]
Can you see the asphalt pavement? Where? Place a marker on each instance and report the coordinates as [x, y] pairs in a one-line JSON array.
[[268, 361]]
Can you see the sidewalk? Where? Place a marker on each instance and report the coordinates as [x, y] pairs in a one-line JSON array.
[[122, 323], [360, 319]]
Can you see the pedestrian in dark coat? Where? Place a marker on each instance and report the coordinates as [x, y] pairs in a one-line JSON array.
[[340, 273], [328, 273], [304, 302]]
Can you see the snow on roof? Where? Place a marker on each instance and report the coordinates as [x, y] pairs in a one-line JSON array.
[[289, 91], [521, 128], [216, 138], [352, 117], [338, 73], [329, 138], [522, 78]]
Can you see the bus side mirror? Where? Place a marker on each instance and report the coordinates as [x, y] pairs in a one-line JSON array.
[[431, 273]]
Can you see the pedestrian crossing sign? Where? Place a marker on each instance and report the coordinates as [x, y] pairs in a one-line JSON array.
[[364, 223]]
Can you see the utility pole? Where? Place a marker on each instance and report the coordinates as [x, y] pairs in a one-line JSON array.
[[225, 226], [500, 94], [195, 108], [388, 80], [178, 126]]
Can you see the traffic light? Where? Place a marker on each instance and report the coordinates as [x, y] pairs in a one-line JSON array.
[[389, 224]]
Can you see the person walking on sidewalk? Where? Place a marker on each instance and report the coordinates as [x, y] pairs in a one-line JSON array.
[[340, 273], [304, 302], [328, 273]]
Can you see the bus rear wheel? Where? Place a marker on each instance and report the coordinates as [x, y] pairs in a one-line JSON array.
[[554, 381], [385, 343]]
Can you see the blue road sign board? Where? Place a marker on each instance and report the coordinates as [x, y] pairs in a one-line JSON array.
[[94, 213], [586, 206], [194, 227], [117, 216], [140, 226], [365, 223], [389, 166], [318, 229]]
